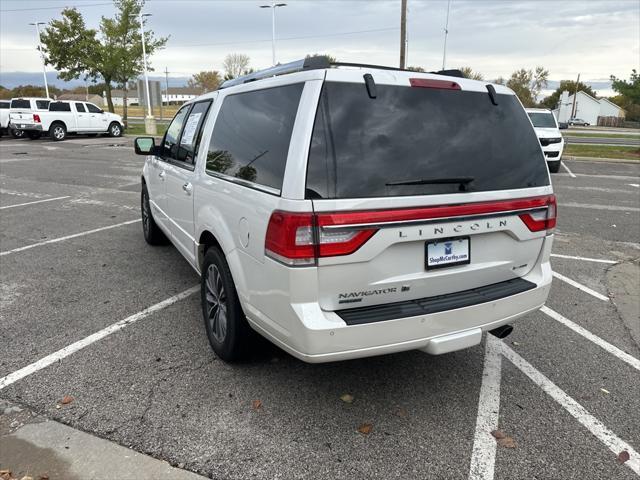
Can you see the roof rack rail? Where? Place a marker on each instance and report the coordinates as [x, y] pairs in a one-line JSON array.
[[309, 63], [316, 63]]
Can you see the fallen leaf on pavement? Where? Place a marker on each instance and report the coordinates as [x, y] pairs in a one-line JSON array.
[[516, 343], [365, 428], [507, 442], [623, 456], [256, 404], [346, 398], [66, 400], [605, 390], [402, 412], [26, 478], [498, 434], [43, 477]]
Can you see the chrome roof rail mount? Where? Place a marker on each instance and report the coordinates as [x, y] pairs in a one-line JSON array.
[[314, 63]]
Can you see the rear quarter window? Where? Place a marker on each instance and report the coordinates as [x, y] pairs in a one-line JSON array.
[[42, 104], [365, 147], [251, 136], [59, 107], [4, 105]]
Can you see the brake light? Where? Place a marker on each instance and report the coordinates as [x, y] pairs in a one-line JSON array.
[[36, 118], [542, 219], [299, 239], [428, 83]]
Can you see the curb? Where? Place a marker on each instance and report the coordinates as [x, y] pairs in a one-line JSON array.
[[599, 159]]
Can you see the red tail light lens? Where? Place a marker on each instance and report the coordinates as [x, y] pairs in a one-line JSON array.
[[542, 219], [428, 83], [301, 238], [36, 118]]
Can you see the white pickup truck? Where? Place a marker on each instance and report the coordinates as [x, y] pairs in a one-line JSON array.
[[68, 116], [21, 110], [4, 116]]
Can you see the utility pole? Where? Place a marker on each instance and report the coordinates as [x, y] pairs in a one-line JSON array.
[[149, 122], [575, 96], [273, 7], [166, 80], [446, 33], [44, 64], [403, 33]]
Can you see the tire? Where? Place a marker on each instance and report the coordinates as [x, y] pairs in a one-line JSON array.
[[16, 133], [229, 334], [554, 167], [115, 129], [34, 135], [152, 233], [58, 132]]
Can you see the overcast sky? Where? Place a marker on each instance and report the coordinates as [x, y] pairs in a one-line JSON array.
[[596, 38]]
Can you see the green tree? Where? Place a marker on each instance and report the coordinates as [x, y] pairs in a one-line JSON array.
[[331, 58], [467, 72], [527, 84], [416, 69], [112, 53], [630, 89], [207, 81], [235, 65], [569, 85]]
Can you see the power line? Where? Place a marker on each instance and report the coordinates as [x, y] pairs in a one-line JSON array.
[[55, 8], [285, 38]]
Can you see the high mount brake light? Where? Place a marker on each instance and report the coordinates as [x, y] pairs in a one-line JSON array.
[[36, 118], [299, 239], [428, 83]]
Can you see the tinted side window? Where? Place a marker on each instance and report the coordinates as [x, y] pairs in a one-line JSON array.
[[251, 136], [4, 105], [20, 104], [59, 107], [92, 108], [42, 104], [190, 139], [80, 107], [170, 142]]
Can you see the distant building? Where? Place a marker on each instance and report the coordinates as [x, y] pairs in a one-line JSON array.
[[177, 95], [117, 96], [587, 108], [81, 97]]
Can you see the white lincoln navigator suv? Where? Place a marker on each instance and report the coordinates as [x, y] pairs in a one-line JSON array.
[[345, 210]]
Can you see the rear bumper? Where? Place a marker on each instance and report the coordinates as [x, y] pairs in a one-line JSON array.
[[32, 127], [318, 336]]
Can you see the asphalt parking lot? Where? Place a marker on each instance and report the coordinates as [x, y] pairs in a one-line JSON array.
[[564, 388]]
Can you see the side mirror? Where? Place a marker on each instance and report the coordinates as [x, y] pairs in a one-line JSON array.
[[144, 145]]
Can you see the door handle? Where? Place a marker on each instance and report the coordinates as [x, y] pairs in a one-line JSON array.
[[162, 174], [188, 188]]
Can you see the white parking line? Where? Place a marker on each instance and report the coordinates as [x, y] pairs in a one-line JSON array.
[[624, 356], [564, 165], [85, 342], [31, 203], [577, 411], [595, 206], [68, 237], [483, 455], [579, 286], [584, 259]]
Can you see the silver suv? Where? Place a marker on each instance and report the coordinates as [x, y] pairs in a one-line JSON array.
[[344, 211]]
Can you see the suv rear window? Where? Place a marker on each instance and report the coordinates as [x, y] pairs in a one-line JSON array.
[[20, 104], [59, 107], [361, 145], [250, 139]]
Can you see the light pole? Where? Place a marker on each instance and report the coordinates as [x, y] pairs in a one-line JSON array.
[[44, 65], [149, 122], [273, 7], [446, 33]]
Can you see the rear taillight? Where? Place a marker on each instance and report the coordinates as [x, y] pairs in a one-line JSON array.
[[36, 118], [543, 218], [301, 238]]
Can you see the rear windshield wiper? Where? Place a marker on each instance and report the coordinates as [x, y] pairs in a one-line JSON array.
[[433, 181]]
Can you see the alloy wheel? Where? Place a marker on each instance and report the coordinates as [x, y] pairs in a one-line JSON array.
[[216, 303]]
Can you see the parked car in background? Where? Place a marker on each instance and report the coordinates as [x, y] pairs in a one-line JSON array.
[[21, 113], [4, 116], [546, 127], [578, 121], [351, 212], [68, 116]]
